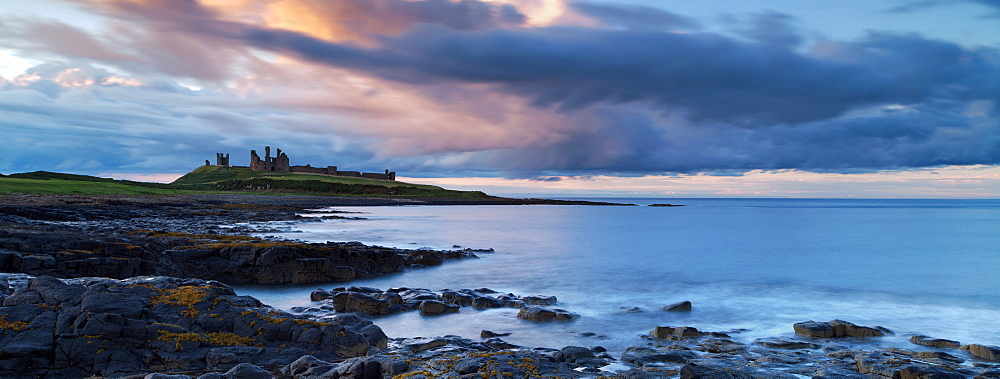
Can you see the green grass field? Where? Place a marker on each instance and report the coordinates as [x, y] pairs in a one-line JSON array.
[[214, 179], [214, 174], [78, 187]]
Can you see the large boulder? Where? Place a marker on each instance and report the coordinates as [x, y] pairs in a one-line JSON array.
[[545, 314], [108, 327], [935, 342], [434, 308], [676, 332], [987, 352], [681, 306], [837, 329]]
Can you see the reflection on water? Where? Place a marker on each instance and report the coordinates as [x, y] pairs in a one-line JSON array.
[[915, 266]]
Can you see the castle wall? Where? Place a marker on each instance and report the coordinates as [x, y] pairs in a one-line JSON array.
[[280, 163], [374, 175], [311, 170]]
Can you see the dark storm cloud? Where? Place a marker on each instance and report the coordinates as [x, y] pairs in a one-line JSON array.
[[629, 100], [750, 106], [913, 6], [774, 28], [634, 16], [710, 77]]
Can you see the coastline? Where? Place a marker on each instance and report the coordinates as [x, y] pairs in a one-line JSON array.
[[92, 234]]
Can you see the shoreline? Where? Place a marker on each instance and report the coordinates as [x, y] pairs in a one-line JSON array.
[[128, 236]]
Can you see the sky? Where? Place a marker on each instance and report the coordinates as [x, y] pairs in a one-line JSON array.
[[666, 98]]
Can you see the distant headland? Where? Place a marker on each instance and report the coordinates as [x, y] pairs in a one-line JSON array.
[[280, 163]]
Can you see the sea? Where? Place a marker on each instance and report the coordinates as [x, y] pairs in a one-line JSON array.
[[750, 267]]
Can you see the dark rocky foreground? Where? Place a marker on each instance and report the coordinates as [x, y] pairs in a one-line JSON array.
[[119, 238], [120, 286]]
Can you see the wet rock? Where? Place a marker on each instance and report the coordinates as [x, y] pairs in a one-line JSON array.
[[777, 343], [721, 346], [681, 306], [641, 355], [434, 308], [108, 327], [167, 376], [987, 352], [539, 300], [837, 329], [933, 356], [247, 371], [896, 366], [490, 334], [227, 258], [545, 314], [989, 373], [838, 372], [675, 332], [373, 301], [934, 342], [307, 366], [698, 371]]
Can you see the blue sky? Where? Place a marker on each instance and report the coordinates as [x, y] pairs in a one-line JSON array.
[[555, 97]]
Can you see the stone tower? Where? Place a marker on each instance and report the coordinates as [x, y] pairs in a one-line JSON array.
[[222, 159]]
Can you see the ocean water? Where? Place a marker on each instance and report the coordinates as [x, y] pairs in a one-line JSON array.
[[914, 266]]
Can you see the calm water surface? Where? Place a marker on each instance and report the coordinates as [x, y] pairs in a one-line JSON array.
[[914, 266]]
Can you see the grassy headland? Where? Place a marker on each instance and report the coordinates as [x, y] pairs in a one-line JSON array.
[[214, 179]]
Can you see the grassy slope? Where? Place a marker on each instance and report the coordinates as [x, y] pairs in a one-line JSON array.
[[211, 179], [215, 174], [78, 187]]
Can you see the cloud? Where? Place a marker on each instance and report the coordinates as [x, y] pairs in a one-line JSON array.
[[710, 77], [472, 90], [637, 17], [918, 5], [773, 28]]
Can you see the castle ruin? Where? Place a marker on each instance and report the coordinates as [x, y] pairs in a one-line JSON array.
[[280, 163]]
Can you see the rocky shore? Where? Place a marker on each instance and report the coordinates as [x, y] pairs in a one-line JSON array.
[[139, 287]]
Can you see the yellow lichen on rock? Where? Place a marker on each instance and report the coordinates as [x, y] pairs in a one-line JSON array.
[[187, 296], [16, 326], [217, 338]]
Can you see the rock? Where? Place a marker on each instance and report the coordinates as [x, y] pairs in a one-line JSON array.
[[373, 301], [837, 329], [682, 306], [776, 343], [483, 302], [675, 332], [539, 300], [838, 373], [108, 327], [641, 355], [543, 314], [987, 352], [307, 366], [574, 354], [434, 308], [165, 376], [934, 342], [989, 373], [489, 334], [66, 252], [247, 371], [420, 344], [895, 366], [695, 371], [914, 371]]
